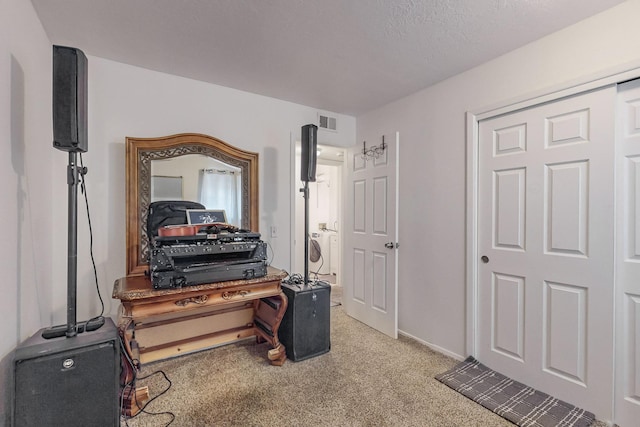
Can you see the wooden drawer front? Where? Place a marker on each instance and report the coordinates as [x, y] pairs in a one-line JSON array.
[[194, 312], [162, 334], [215, 297], [195, 344]]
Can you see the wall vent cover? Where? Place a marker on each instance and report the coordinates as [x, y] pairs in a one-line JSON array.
[[327, 122]]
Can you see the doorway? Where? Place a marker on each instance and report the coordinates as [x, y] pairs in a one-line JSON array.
[[325, 219]]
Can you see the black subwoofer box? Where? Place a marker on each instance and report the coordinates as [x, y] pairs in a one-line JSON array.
[[305, 328], [67, 381]]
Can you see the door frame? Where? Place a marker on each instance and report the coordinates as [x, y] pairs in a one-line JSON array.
[[295, 185], [473, 117]]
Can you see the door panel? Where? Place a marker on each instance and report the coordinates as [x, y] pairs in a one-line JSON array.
[[379, 288], [380, 203], [545, 296], [359, 206], [565, 331], [370, 288], [567, 208], [509, 221], [358, 276], [508, 315], [627, 394]]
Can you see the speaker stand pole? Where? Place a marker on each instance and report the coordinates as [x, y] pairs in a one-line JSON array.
[[72, 245], [71, 328], [305, 194]]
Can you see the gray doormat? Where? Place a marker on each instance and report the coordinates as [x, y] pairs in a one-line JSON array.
[[510, 399]]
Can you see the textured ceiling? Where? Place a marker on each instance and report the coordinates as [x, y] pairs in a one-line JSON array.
[[345, 56]]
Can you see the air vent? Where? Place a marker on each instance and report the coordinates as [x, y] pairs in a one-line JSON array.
[[326, 122]]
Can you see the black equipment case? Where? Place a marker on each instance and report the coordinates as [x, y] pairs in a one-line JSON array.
[[168, 212], [208, 273], [305, 328], [211, 255]]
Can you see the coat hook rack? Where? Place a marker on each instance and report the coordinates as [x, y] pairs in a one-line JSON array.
[[373, 152]]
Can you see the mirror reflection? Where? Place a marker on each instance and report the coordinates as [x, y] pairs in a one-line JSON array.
[[215, 184]]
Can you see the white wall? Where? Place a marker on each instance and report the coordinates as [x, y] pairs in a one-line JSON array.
[[26, 161], [432, 158], [130, 101]]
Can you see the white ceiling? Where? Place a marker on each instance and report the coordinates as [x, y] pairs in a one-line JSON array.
[[344, 56]]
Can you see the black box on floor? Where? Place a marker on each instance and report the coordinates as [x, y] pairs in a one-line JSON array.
[[67, 381], [305, 328]]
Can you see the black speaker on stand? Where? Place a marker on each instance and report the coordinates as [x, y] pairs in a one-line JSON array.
[[69, 374], [308, 158], [309, 151], [70, 99], [305, 327]]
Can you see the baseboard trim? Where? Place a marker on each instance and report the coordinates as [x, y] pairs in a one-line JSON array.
[[433, 347]]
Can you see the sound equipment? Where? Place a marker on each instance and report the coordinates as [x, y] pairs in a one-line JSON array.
[[69, 99], [309, 147], [168, 212], [67, 381], [186, 255], [305, 328], [208, 272]]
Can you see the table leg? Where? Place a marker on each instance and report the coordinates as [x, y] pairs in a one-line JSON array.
[[269, 314]]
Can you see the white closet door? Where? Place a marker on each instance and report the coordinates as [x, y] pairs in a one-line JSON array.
[[627, 395], [545, 235]]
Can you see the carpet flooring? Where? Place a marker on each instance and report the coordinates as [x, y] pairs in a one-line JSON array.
[[367, 379]]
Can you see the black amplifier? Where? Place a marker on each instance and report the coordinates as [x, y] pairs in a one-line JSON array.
[[202, 237], [173, 256], [197, 274]]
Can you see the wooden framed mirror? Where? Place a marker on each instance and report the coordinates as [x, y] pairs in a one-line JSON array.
[[192, 151]]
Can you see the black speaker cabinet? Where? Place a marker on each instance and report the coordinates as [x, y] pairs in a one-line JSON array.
[[69, 99], [67, 381], [309, 146], [305, 328]]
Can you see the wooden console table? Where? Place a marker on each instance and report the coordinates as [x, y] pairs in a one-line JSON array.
[[162, 323]]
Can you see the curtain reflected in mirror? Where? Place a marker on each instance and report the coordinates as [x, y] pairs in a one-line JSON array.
[[220, 189]]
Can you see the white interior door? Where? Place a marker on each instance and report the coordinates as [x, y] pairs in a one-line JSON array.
[[370, 285], [627, 393], [545, 235]]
